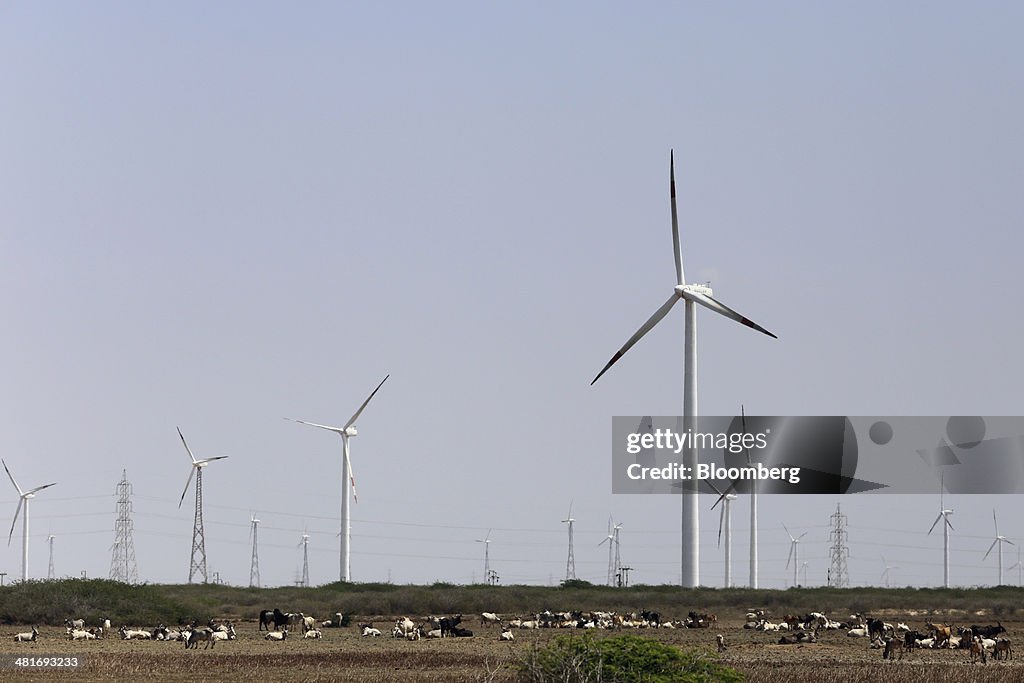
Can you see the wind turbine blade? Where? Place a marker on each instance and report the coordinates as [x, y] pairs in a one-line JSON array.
[[721, 522], [190, 475], [792, 547], [644, 329], [721, 494], [743, 424], [948, 523], [360, 411], [936, 522], [990, 549], [1009, 541], [801, 535], [337, 430], [719, 307], [39, 488], [788, 533], [677, 250], [488, 536], [994, 521], [351, 472], [606, 538], [216, 457], [15, 520], [20, 492], [185, 444]]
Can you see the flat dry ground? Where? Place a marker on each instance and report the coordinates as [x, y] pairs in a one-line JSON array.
[[343, 654]]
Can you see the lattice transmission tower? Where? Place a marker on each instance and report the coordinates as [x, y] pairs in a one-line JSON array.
[[570, 563], [122, 558], [838, 576], [197, 564]]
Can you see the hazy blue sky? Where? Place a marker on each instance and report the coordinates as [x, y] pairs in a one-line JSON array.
[[214, 217]]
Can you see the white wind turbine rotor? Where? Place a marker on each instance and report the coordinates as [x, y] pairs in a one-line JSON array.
[[999, 541], [794, 552], [23, 500], [944, 514], [692, 295], [348, 480]]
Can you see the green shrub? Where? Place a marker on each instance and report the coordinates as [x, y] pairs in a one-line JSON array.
[[619, 659]]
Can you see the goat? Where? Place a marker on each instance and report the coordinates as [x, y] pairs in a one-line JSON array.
[[891, 645], [134, 634], [313, 633], [448, 624], [413, 634], [308, 623], [977, 650], [371, 632], [226, 634], [27, 637], [78, 634], [200, 635], [435, 633], [404, 626], [75, 624], [488, 618], [276, 616], [277, 635], [507, 635], [720, 640], [1002, 650]]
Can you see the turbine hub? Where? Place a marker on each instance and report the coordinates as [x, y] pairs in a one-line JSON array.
[[351, 431]]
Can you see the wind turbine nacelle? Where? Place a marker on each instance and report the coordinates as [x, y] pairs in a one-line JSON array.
[[351, 431], [699, 289]]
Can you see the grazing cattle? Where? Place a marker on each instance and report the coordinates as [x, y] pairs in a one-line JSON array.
[[977, 650], [275, 616], [27, 637], [891, 645], [506, 635], [1002, 650], [720, 640], [277, 635]]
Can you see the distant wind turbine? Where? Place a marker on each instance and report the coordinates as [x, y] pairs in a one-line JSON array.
[[1019, 567], [486, 540], [999, 541], [24, 498], [197, 563], [348, 481], [794, 553], [725, 521], [887, 571], [944, 514], [691, 294]]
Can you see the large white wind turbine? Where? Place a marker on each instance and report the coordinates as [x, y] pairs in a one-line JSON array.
[[999, 541], [691, 294], [944, 514], [348, 481], [24, 498], [794, 553]]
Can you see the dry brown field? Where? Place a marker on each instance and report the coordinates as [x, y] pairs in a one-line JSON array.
[[344, 655]]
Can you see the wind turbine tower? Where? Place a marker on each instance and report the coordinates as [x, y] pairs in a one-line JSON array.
[[570, 563], [944, 514], [24, 498], [999, 541], [122, 561], [50, 573], [348, 482], [486, 540], [691, 294], [305, 560], [197, 564], [254, 565], [794, 553]]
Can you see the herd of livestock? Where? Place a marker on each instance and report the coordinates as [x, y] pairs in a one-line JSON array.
[[980, 641]]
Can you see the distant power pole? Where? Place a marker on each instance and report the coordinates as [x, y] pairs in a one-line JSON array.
[[305, 560], [570, 563], [838, 577], [254, 565], [122, 560]]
